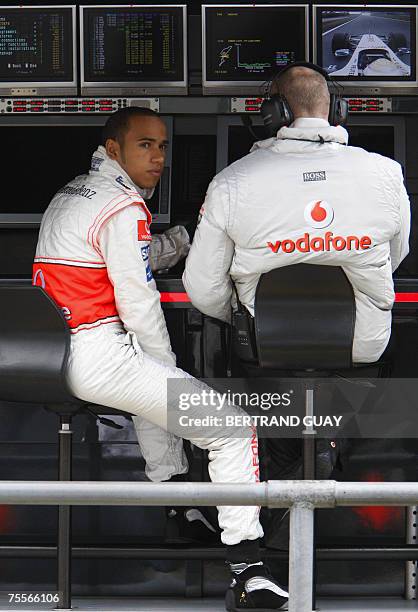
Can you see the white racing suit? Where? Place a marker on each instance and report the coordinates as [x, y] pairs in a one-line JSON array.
[[93, 259], [304, 196]]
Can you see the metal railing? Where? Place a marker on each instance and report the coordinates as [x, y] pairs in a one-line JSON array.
[[302, 497]]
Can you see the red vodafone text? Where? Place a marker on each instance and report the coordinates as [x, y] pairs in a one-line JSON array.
[[318, 244], [254, 453]]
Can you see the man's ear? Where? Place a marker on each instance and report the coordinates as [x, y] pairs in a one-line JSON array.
[[112, 149]]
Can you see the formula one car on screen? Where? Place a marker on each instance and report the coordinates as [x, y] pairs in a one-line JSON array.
[[371, 55]]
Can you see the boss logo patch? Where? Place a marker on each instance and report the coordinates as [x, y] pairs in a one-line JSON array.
[[314, 176]]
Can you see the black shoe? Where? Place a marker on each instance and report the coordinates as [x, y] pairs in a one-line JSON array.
[[254, 588], [190, 526]]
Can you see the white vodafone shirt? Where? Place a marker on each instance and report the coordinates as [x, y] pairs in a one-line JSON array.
[[304, 196]]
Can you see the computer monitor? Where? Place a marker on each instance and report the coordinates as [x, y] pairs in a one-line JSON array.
[[369, 46], [67, 147], [131, 50], [38, 50], [244, 45]]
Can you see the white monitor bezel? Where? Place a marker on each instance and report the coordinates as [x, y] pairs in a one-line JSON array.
[[36, 88], [369, 87], [129, 87], [242, 87]]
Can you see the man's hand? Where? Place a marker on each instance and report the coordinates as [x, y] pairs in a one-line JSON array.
[[169, 248]]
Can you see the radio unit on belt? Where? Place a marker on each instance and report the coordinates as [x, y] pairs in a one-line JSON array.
[[243, 333]]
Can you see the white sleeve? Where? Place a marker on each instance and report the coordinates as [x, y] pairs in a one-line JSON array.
[[168, 248], [206, 276], [136, 295], [399, 245]]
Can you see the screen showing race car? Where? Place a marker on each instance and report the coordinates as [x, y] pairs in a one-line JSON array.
[[367, 43], [244, 44]]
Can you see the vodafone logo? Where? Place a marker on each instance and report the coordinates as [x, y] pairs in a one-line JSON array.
[[319, 214], [144, 233]]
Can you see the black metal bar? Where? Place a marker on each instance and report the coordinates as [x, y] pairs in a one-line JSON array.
[[309, 458], [309, 469], [309, 434], [65, 435], [404, 553]]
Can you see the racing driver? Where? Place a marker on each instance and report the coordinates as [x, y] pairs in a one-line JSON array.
[[93, 258]]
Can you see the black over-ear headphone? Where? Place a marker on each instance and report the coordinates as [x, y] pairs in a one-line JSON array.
[[276, 112]]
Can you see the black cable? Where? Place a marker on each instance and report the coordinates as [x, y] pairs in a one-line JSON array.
[[247, 122]]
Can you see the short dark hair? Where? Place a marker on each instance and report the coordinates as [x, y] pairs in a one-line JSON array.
[[118, 123], [305, 90]]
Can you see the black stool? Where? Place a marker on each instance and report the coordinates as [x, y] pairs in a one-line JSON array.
[[304, 323], [34, 350]]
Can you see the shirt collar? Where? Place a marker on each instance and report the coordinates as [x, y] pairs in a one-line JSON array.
[[103, 165], [309, 122], [314, 130]]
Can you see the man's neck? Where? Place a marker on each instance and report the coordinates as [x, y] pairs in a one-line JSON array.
[[310, 122]]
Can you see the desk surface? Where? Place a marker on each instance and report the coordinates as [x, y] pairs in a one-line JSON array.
[[173, 294], [172, 291]]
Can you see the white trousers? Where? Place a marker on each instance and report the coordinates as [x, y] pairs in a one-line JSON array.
[[109, 368]]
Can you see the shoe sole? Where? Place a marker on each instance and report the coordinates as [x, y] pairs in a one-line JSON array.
[[231, 606]]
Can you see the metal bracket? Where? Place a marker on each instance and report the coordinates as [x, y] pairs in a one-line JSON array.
[[411, 567]]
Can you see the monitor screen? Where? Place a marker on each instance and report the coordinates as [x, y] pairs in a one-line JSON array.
[[133, 47], [244, 46], [367, 44], [37, 46], [66, 153], [374, 138]]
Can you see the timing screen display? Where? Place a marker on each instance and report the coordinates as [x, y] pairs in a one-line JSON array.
[[133, 44], [36, 44], [252, 43], [369, 44]]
